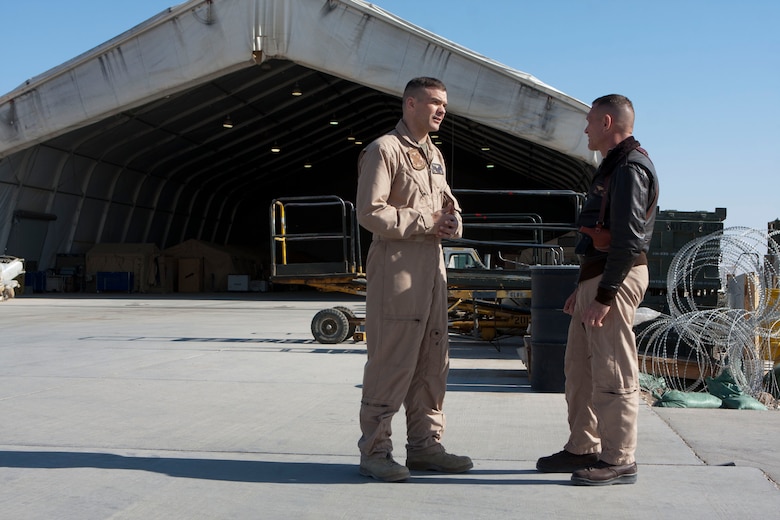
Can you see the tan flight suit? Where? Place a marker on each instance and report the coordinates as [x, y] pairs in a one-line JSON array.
[[400, 186], [603, 396]]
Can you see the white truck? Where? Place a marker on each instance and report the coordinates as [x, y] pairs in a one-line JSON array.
[[463, 258]]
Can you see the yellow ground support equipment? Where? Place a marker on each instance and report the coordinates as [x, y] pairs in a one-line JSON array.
[[315, 242]]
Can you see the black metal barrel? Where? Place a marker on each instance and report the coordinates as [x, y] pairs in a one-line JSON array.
[[551, 285]]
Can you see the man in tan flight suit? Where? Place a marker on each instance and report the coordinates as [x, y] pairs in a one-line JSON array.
[[404, 200]]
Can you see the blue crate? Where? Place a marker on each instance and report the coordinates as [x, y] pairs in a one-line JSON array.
[[35, 281]]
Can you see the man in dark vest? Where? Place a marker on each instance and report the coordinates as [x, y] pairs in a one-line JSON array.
[[601, 367]]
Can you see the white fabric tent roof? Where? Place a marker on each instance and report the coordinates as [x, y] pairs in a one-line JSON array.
[[347, 38], [111, 145]]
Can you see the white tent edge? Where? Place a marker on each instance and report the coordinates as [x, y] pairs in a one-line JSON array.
[[198, 40]]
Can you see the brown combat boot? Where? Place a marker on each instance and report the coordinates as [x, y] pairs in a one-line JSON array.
[[603, 474], [383, 468], [442, 461]]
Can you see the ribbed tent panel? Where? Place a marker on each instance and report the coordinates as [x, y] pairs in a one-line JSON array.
[[126, 143]]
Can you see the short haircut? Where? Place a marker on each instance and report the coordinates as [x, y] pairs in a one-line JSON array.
[[417, 84], [615, 101]]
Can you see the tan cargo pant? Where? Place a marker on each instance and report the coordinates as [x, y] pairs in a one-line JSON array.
[[407, 343], [602, 374]]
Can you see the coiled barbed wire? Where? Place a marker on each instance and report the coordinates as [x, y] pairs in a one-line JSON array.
[[694, 343]]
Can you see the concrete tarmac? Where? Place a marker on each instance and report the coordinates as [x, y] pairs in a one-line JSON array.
[[224, 407]]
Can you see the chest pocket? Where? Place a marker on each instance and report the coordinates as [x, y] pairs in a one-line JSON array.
[[412, 187]]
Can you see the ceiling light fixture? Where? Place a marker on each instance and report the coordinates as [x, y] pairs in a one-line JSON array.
[[275, 148], [490, 166], [485, 148], [296, 91], [227, 123], [334, 121], [307, 165]]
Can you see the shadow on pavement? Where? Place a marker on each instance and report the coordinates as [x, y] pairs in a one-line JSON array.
[[488, 380], [246, 470], [208, 469]]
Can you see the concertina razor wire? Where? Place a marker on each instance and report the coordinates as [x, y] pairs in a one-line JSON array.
[[742, 334]]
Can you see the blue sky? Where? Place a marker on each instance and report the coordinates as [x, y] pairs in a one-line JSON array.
[[704, 75]]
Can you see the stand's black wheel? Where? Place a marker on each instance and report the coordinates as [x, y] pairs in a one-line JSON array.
[[349, 313], [330, 326]]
